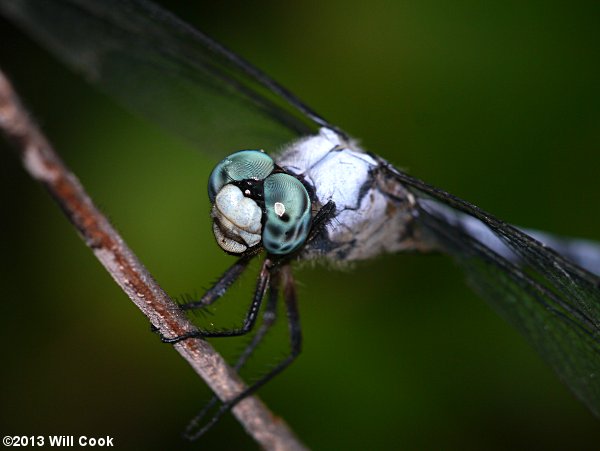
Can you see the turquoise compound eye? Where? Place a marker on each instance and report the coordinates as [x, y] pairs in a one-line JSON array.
[[242, 165], [288, 214]]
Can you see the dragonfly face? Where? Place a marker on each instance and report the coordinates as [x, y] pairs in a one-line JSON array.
[[254, 205], [417, 160]]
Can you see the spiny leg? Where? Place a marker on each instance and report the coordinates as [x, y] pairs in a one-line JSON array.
[[261, 287], [269, 316], [289, 292], [321, 219], [221, 286], [215, 292]]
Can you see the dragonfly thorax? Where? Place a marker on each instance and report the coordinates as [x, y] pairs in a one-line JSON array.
[[373, 213]]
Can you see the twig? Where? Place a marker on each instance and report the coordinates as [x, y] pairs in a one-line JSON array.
[[44, 165]]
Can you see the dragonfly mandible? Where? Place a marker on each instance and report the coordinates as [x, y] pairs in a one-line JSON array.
[[553, 302]]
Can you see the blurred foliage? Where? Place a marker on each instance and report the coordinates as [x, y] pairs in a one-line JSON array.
[[497, 102]]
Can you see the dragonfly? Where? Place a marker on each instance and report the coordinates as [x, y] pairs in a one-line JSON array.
[[359, 205]]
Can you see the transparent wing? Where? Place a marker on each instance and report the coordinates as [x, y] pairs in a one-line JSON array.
[[584, 253], [553, 302], [163, 68]]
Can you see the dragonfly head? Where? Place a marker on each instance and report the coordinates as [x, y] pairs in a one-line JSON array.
[[255, 202]]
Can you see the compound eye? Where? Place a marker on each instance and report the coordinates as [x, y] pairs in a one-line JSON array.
[[242, 165], [288, 214]]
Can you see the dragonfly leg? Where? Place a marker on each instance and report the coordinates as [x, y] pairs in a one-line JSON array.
[[215, 292], [321, 219], [259, 293], [269, 317], [221, 286], [290, 297]]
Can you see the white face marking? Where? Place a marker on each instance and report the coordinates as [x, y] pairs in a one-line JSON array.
[[279, 209], [237, 219]]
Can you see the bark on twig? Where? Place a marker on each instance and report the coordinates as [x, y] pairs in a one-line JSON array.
[[44, 165]]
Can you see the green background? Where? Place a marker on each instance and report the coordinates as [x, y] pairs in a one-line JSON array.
[[496, 103]]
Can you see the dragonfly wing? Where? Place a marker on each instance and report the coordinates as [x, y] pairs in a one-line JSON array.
[[553, 302], [584, 253], [161, 67]]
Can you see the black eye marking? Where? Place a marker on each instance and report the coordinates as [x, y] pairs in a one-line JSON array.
[[274, 230]]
